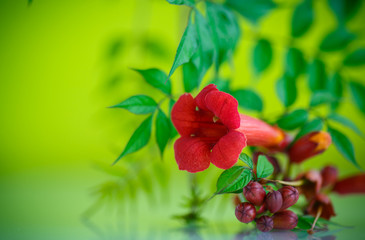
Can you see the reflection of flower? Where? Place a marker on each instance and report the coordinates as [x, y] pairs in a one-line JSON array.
[[212, 130]]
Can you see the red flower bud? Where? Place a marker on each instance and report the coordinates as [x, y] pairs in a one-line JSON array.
[[264, 223], [329, 175], [245, 212], [285, 220], [254, 193], [308, 146], [273, 201], [351, 185], [262, 209], [290, 196]]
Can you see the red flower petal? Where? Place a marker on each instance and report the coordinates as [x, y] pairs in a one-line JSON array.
[[183, 114], [224, 106], [200, 98], [351, 185], [192, 154], [226, 152]]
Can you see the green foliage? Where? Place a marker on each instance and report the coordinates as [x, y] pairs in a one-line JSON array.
[[233, 180], [335, 88], [356, 58], [295, 62], [286, 90], [246, 159], [344, 121], [322, 97], [317, 78], [336, 40], [344, 9], [139, 104], [358, 94], [252, 10], [189, 3], [163, 131], [293, 120], [262, 55], [156, 78], [248, 99], [311, 126], [302, 19], [264, 167]]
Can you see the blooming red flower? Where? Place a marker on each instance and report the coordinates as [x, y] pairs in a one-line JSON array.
[[212, 130]]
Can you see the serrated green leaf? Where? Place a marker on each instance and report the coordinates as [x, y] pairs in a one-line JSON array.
[[293, 120], [336, 40], [156, 78], [264, 167], [189, 3], [317, 78], [173, 129], [355, 58], [358, 94], [248, 99], [335, 88], [186, 49], [262, 55], [233, 179], [295, 63], [344, 121], [139, 138], [138, 104], [343, 145], [286, 90], [344, 10], [252, 10], [322, 97], [163, 131], [312, 126], [246, 159], [302, 19]]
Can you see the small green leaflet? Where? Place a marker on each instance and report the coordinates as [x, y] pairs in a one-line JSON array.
[[356, 58], [248, 99], [317, 75], [336, 40], [293, 120], [186, 49], [156, 78], [343, 145], [233, 179], [189, 3], [286, 90], [252, 10], [173, 129], [358, 94], [246, 159], [138, 104], [264, 167], [321, 97], [139, 138], [163, 130], [295, 63], [335, 88], [312, 126], [344, 10], [262, 55], [302, 19], [344, 121]]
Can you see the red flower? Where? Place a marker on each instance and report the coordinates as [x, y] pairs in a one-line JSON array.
[[321, 205], [351, 185], [312, 183], [212, 130]]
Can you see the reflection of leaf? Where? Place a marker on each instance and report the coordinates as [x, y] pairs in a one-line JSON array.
[[302, 19], [252, 10], [138, 104], [293, 120], [248, 99], [156, 78], [295, 63], [317, 75], [162, 131], [336, 40], [262, 55], [358, 94], [344, 9], [355, 58], [286, 90]]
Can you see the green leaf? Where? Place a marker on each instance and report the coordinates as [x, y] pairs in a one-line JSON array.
[[139, 138], [233, 179], [335, 88], [156, 78], [264, 167], [344, 121], [295, 63], [312, 126], [343, 145], [246, 159], [286, 90], [358, 94], [138, 104], [248, 99], [293, 120], [262, 55], [302, 19], [173, 129], [186, 49], [344, 10], [304, 223], [355, 58], [190, 76], [252, 10], [163, 131], [322, 97], [222, 84], [317, 78], [336, 40], [189, 3]]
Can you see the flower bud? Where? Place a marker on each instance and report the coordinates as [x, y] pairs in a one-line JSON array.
[[245, 212], [308, 146], [254, 193], [264, 223], [273, 201], [285, 220], [329, 175], [290, 196]]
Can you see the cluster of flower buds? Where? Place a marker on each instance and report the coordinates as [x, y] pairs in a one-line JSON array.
[[269, 210]]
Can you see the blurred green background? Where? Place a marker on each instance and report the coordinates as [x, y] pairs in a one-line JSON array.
[[63, 62]]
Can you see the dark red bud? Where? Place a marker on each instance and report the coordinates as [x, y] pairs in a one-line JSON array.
[[262, 209], [329, 175], [245, 212], [351, 185], [264, 223], [274, 201], [254, 193], [285, 220], [236, 200], [290, 196]]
